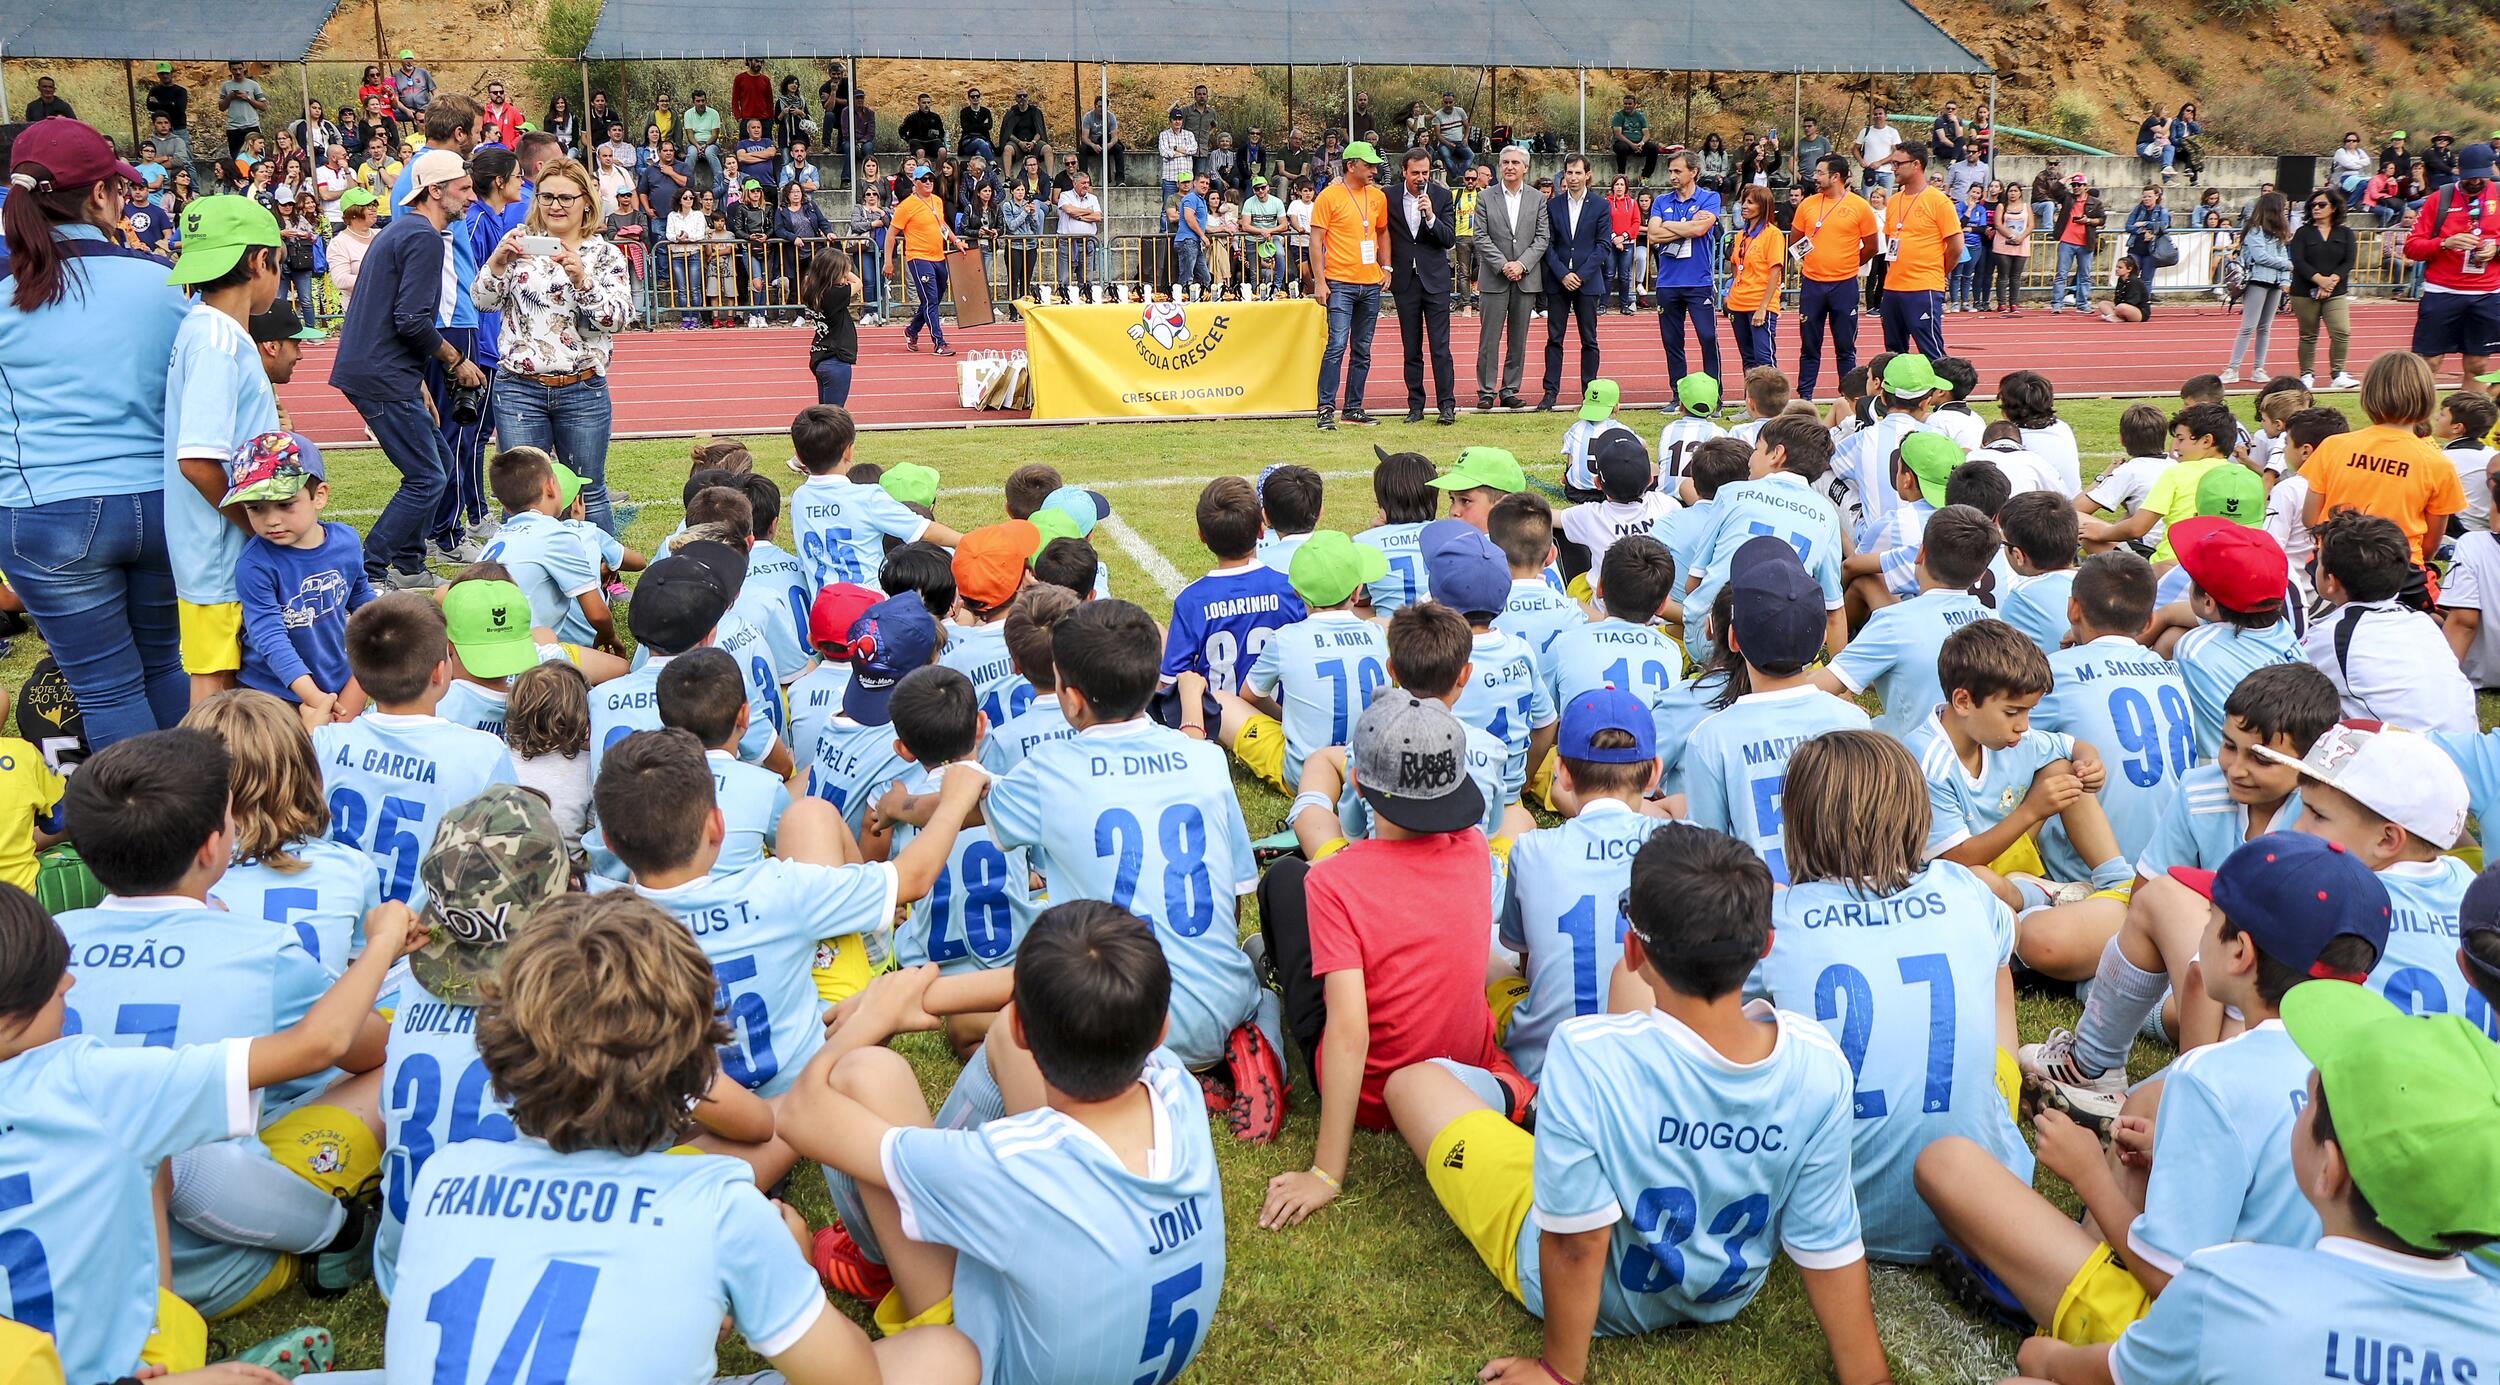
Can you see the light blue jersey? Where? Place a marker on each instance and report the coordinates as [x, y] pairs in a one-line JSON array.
[[2344, 1311], [741, 640], [1221, 621], [2201, 824], [841, 528], [760, 927], [1578, 475], [87, 1126], [1505, 695], [474, 706], [607, 547], [1893, 539], [1146, 818], [1066, 1261], [1737, 760], [552, 566], [1321, 672], [1704, 1167], [814, 698], [2419, 973], [1404, 586], [590, 1266], [751, 803], [435, 1093], [1906, 984], [217, 397], [1614, 653], [1963, 804], [1487, 760], [2212, 660], [2037, 607], [1684, 707], [1562, 911], [2477, 757], [2174, 586], [1006, 747], [2222, 1151], [1537, 613], [392, 778], [979, 653], [1896, 655], [1677, 441], [977, 911], [1277, 550], [325, 900], [1682, 533], [852, 766], [630, 702], [2129, 704], [776, 599], [1780, 505], [1861, 474]]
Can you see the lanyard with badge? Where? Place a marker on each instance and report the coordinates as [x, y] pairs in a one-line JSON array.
[[1682, 246], [1367, 251], [1804, 245]]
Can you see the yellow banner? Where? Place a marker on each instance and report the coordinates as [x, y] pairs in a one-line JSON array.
[[1174, 360]]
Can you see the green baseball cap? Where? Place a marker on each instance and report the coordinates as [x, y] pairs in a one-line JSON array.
[[911, 483], [408, 52], [750, 185], [353, 198], [1597, 402], [1931, 457], [1482, 466], [489, 624], [1362, 149], [164, 67], [1259, 182], [1698, 394], [216, 230], [1328, 566], [496, 859], [1911, 376], [1052, 524], [2233, 492], [569, 484], [2416, 1102]]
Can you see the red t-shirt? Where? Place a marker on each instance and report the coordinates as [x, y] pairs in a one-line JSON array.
[[1416, 918]]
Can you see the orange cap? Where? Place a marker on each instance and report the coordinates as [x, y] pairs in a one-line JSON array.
[[990, 562]]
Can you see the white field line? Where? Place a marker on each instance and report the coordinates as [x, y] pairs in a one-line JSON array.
[[1142, 553]]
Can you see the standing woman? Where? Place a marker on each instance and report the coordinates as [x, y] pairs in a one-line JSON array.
[[830, 289], [2324, 251], [560, 314], [2147, 222], [82, 451], [790, 122], [1876, 197], [685, 230], [1623, 217], [2009, 246], [1758, 252], [2266, 254]]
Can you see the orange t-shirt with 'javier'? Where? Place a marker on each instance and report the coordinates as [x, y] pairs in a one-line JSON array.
[[2385, 470], [1920, 223], [922, 226], [1835, 232], [1350, 225]]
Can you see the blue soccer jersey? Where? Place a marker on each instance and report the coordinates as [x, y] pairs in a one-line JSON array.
[[607, 547], [814, 699], [435, 1093], [852, 766], [552, 566], [590, 1266], [2222, 1151], [87, 1126], [1277, 550], [1703, 1166], [775, 600], [1221, 621], [1963, 804], [2128, 703], [760, 927], [1537, 613], [474, 706], [744, 643], [1896, 655], [1068, 1265], [1906, 984], [217, 397], [1321, 672], [2343, 1311], [1780, 505], [1404, 586], [2212, 660], [979, 653], [325, 899], [1562, 911], [1675, 715], [976, 912], [1505, 695], [630, 702], [1737, 760], [2201, 824], [841, 528], [1614, 653], [1006, 747], [391, 779], [1146, 818], [1861, 474], [751, 803], [2477, 757], [2419, 973], [2037, 607]]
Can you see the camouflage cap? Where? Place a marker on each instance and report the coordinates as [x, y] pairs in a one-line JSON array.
[[496, 858]]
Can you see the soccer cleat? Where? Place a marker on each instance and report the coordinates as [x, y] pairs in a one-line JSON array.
[[2057, 892], [1972, 1285], [1282, 844], [348, 1260], [846, 1269], [1262, 964], [296, 1351], [2056, 1076], [1258, 1080]]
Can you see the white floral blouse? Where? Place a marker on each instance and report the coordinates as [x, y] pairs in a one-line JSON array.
[[549, 326]]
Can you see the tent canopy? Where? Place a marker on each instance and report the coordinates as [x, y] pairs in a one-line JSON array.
[[188, 31], [1772, 36]]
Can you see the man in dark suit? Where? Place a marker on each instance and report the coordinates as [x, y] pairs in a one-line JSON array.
[[1575, 273], [1420, 236]]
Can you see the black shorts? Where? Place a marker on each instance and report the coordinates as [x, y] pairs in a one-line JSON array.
[[2466, 324]]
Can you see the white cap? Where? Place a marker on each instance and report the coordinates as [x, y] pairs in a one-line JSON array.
[[2400, 775], [429, 169]]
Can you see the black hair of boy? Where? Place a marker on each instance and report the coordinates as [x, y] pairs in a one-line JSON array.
[[394, 643], [2043, 527], [1853, 383], [518, 477], [1988, 659], [1036, 612], [1402, 484], [1609, 776], [1809, 445], [727, 506], [2144, 430], [1980, 484], [2367, 554], [2343, 955], [2003, 430], [700, 692], [2294, 702], [1291, 496], [2027, 399], [2116, 590], [1636, 578], [2309, 427], [1521, 524], [1091, 991], [2213, 424], [1957, 545], [1430, 646], [821, 435], [2202, 389], [865, 474], [1228, 518], [1960, 374], [924, 569], [702, 479], [33, 955], [1068, 563], [763, 502], [2280, 384], [936, 716], [1111, 652], [2475, 413], [1719, 462], [141, 809], [1701, 903], [1028, 486], [653, 792]]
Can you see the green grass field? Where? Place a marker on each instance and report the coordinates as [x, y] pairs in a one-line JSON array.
[[1376, 1287]]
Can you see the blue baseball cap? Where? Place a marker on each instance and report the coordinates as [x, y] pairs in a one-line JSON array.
[[2295, 894], [1084, 508], [1465, 571], [1607, 709], [888, 641], [1778, 617]]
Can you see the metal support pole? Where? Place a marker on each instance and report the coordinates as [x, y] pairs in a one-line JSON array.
[[850, 134], [1797, 116], [303, 81], [130, 87], [1102, 230], [4, 82], [1584, 111], [1351, 134], [1992, 125], [1289, 98]]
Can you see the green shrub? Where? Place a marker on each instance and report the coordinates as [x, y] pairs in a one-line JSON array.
[[2072, 116]]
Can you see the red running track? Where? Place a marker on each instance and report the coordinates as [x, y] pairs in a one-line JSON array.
[[674, 383]]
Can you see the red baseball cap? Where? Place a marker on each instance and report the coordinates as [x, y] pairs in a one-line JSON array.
[[2242, 568], [71, 151], [836, 609]]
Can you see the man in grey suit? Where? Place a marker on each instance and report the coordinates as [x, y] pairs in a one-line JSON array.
[[1510, 236]]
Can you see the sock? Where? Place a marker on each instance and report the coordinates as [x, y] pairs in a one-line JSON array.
[[2113, 873], [233, 1192], [2122, 995], [2033, 896]]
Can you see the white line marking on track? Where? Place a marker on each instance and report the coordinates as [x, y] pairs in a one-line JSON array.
[[1142, 553]]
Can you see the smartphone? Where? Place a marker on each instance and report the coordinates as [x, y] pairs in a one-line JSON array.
[[540, 245]]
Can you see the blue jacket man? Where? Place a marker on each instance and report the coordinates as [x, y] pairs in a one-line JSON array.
[[1577, 239]]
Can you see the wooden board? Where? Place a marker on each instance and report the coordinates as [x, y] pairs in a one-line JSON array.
[[968, 277]]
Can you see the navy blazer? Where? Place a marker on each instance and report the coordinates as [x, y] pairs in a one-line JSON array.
[[1419, 264], [1584, 254]]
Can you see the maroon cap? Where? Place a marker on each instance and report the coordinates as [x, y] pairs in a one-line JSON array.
[[71, 151]]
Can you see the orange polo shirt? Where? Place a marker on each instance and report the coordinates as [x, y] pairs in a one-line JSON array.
[[1923, 225], [1835, 229], [922, 228], [2387, 471], [1350, 224], [1758, 260]]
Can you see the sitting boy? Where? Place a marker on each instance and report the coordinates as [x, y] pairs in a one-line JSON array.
[[2390, 661], [991, 565], [549, 561], [841, 525], [1221, 621], [1505, 694], [1290, 498], [2041, 533], [1895, 653], [1402, 486], [702, 694], [1036, 612], [1627, 502], [1596, 419], [1789, 455], [2238, 603], [1315, 676]]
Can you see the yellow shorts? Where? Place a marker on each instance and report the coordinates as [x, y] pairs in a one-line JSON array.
[[2121, 893], [179, 1341], [279, 1279], [2022, 858], [2009, 1079], [1578, 589], [1329, 848], [2100, 1302], [841, 968], [1479, 1166], [212, 636], [1504, 996], [890, 1319], [1261, 749], [330, 1148], [1540, 789]]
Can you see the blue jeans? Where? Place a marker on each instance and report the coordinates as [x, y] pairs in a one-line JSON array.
[[1189, 262], [976, 147], [569, 423], [1958, 283], [1821, 304], [2166, 152], [1754, 345], [928, 287], [1353, 311], [409, 440], [2077, 260], [1619, 265], [833, 382], [1676, 306], [94, 574], [1456, 158], [1077, 262]]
